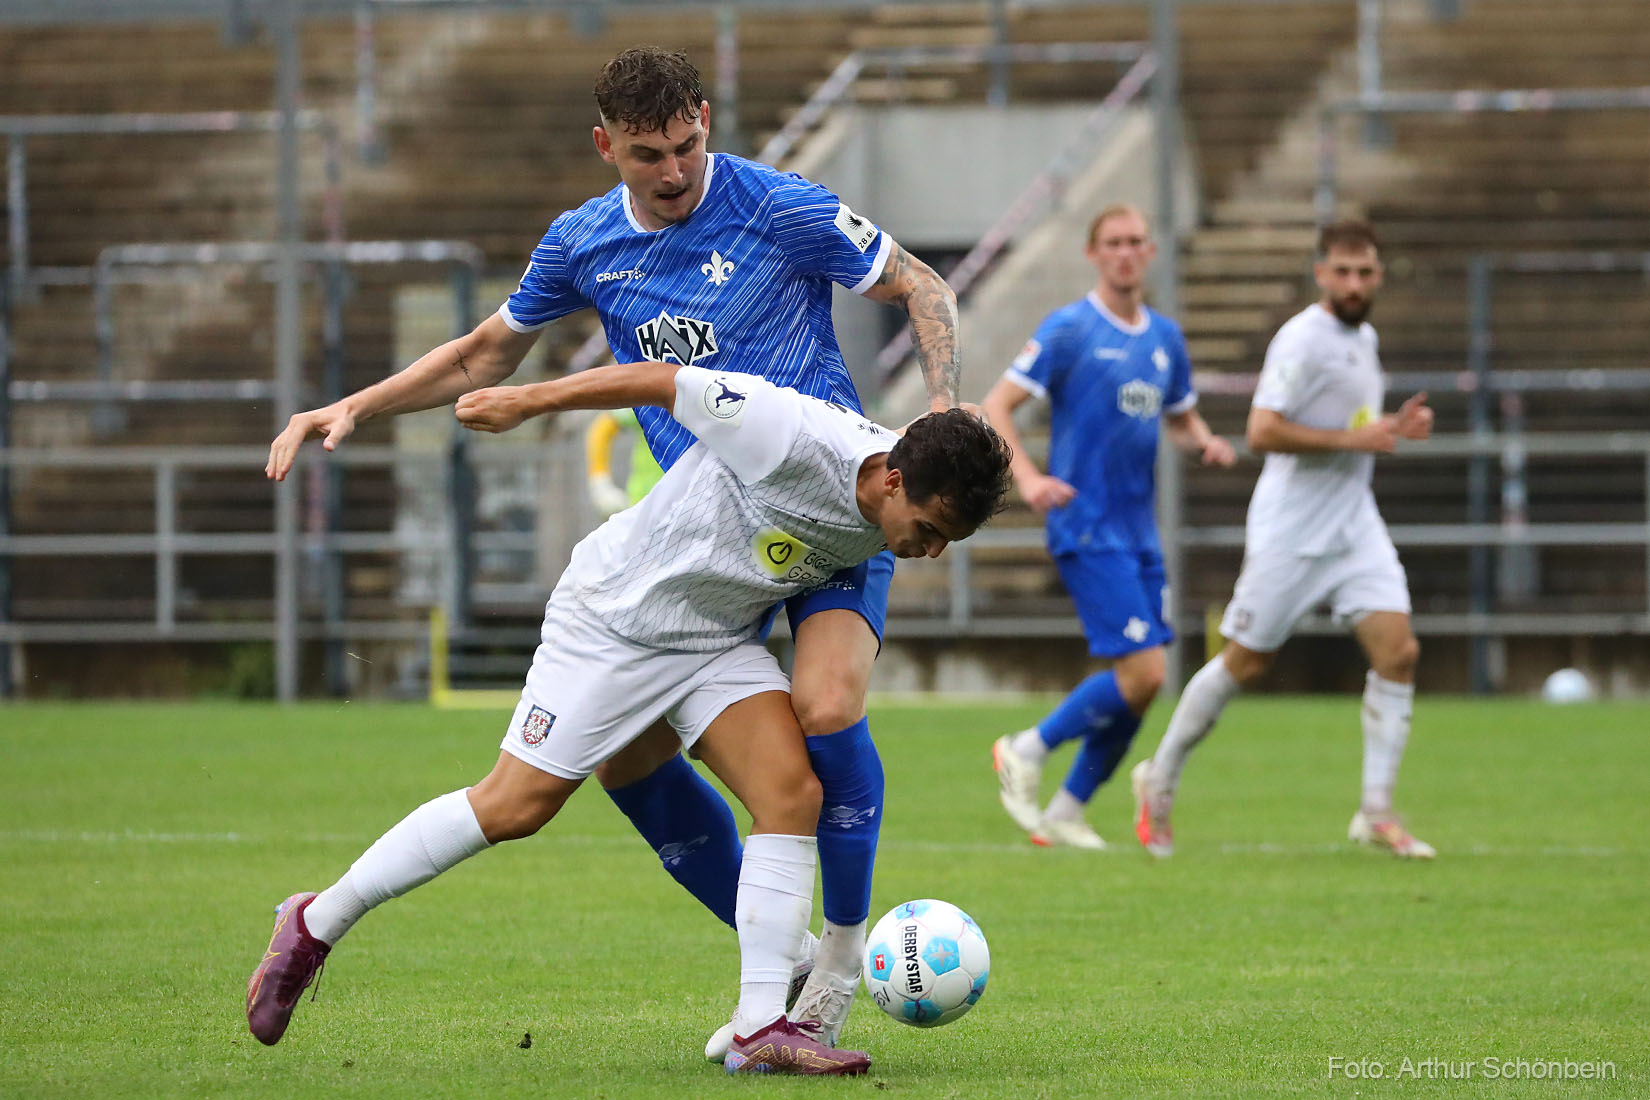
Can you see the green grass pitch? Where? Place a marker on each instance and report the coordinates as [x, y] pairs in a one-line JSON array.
[[143, 846]]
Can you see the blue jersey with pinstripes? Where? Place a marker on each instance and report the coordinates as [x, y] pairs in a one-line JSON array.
[[1108, 383], [743, 283]]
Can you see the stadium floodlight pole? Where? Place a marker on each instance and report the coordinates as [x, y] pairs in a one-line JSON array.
[[288, 337], [1165, 102]]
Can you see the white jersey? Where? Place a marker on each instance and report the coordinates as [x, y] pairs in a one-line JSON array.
[[1318, 373], [761, 508]]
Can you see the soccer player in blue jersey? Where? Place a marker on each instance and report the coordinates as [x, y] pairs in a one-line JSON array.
[[1110, 369], [712, 260]]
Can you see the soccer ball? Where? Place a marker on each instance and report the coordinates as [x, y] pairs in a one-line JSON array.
[[1567, 685], [926, 963]]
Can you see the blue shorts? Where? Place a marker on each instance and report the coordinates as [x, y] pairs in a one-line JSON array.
[[1121, 598], [862, 588]]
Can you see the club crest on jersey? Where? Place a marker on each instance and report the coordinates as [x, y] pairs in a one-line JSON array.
[[1136, 630], [684, 339], [1140, 399], [1160, 359], [718, 271], [787, 558], [537, 726], [722, 401]]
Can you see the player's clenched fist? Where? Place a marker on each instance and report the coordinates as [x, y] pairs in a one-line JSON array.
[[1414, 419], [1218, 452], [494, 409], [335, 422]]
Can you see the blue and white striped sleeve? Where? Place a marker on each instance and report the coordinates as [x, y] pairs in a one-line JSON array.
[[821, 236], [546, 290]]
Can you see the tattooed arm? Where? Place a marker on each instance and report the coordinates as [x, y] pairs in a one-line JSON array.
[[482, 357], [914, 286]]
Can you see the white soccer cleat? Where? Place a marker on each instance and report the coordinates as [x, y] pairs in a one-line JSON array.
[[825, 1000], [716, 1048], [1387, 832], [1017, 783], [1151, 812], [1063, 833]]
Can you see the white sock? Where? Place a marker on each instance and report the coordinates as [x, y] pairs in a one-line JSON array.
[[1064, 807], [776, 898], [1030, 744], [841, 953], [439, 834], [1206, 695], [1386, 711]]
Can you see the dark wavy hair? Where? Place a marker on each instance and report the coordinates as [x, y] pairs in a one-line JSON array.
[[645, 87], [956, 456], [1352, 234]]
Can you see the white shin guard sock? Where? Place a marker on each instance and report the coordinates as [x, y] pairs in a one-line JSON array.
[[841, 951], [1206, 695], [776, 898], [1386, 712], [439, 834]]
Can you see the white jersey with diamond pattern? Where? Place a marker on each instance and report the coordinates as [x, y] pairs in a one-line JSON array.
[[761, 508]]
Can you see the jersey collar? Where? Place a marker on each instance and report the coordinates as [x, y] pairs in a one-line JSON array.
[[1118, 322], [630, 214]]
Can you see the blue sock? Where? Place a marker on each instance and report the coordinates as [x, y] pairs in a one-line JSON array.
[[850, 820], [1099, 754], [1085, 710], [688, 825]]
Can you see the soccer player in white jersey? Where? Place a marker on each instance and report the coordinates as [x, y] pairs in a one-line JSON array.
[[707, 259], [658, 616], [1314, 537], [1111, 370]]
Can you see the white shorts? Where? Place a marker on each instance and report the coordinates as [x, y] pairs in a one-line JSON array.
[[1275, 590], [591, 692]]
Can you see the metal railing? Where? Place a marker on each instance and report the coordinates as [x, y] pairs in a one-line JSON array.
[[19, 128]]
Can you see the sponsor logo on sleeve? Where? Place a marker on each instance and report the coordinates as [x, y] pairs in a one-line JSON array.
[[858, 230], [1028, 355], [723, 401], [1363, 415]]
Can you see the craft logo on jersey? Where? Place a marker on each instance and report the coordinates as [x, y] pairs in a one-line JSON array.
[[1140, 399], [722, 401], [619, 276], [537, 726], [787, 558], [718, 270], [684, 339], [855, 228]]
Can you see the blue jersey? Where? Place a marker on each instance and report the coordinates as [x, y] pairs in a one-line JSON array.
[[743, 283], [1107, 384]]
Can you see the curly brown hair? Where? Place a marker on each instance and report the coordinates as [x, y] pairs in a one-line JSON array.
[[645, 87], [956, 456]]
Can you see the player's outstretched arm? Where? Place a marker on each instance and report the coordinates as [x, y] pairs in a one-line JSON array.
[[1040, 490], [485, 356], [918, 289], [625, 385]]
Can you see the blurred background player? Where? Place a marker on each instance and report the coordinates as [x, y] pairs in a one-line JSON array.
[[1314, 536], [692, 254], [606, 495], [1110, 369]]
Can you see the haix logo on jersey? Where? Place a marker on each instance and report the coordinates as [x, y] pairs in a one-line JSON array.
[[684, 339], [1141, 399], [718, 270], [619, 276]]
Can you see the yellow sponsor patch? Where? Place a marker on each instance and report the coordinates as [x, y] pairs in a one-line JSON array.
[[1364, 415], [788, 558]]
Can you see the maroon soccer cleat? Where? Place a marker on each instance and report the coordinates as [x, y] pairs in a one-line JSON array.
[[787, 1047], [289, 965]]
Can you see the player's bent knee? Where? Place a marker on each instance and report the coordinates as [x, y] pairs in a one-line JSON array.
[[1246, 666], [827, 709], [790, 806], [1401, 662]]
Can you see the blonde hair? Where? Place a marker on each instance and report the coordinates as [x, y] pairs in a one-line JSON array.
[[1117, 210]]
